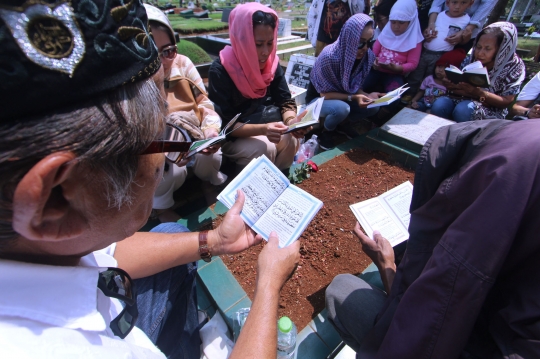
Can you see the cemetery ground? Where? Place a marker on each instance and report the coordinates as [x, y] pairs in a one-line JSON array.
[[328, 246]]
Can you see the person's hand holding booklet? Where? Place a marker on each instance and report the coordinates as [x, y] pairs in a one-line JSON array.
[[387, 213], [308, 117], [272, 203], [474, 73], [389, 97], [199, 146]]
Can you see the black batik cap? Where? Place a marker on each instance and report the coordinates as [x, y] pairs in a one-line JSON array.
[[54, 54]]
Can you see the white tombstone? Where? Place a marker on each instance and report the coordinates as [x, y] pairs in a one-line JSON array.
[[414, 126], [297, 76], [284, 27]]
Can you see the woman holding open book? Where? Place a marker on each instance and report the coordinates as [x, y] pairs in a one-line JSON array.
[[242, 79], [339, 74], [190, 109], [495, 47]]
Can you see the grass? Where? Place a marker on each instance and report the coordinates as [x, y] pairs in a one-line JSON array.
[[293, 44], [190, 26], [528, 44], [195, 53]]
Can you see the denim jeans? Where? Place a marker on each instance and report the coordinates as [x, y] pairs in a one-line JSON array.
[[336, 111], [167, 303], [421, 105], [446, 108]]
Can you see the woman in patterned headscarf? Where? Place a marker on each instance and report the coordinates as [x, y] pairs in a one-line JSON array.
[[495, 47], [338, 76]]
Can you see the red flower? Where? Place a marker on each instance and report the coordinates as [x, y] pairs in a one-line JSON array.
[[313, 166]]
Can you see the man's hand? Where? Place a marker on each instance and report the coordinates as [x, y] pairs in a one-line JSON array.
[[454, 39], [210, 133], [274, 130], [378, 249], [381, 253], [414, 104], [233, 235], [275, 264], [467, 33], [362, 100]]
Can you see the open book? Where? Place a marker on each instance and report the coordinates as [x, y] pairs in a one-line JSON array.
[[387, 213], [200, 145], [474, 73], [389, 97], [272, 202], [311, 116]]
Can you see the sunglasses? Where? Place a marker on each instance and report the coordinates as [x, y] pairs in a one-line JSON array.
[[261, 17], [169, 52], [362, 45], [173, 144], [116, 283]]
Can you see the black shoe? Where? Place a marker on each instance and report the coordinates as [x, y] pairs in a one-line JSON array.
[[325, 140], [347, 130]]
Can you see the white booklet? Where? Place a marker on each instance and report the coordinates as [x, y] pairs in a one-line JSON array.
[[310, 116], [387, 213], [389, 97], [200, 145], [272, 202]]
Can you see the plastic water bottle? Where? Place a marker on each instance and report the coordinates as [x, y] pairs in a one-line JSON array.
[[300, 157], [286, 340], [310, 147]]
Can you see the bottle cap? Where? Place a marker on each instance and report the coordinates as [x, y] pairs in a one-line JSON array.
[[284, 324]]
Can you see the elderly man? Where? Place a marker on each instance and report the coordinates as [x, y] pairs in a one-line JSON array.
[[82, 122], [467, 286]]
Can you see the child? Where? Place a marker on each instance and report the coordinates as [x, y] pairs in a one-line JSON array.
[[397, 48], [448, 22], [432, 86]]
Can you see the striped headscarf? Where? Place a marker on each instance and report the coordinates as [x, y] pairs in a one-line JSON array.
[[508, 68], [507, 74], [333, 70]]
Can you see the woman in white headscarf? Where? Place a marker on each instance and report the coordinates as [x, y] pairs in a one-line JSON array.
[[397, 48]]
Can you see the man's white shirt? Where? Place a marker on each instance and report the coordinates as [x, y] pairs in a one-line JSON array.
[[58, 312]]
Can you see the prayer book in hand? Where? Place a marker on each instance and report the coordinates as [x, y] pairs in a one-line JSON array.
[[309, 117], [200, 145], [387, 213], [474, 73], [272, 203], [389, 97]]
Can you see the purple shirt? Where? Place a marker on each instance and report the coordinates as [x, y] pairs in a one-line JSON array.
[[469, 283], [432, 90]]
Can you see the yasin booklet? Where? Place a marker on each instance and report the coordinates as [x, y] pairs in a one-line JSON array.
[[389, 97], [272, 202], [387, 213]]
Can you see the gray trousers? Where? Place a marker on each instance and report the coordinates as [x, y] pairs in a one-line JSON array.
[[352, 306]]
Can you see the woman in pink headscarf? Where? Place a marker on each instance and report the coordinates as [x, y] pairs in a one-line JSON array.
[[247, 79]]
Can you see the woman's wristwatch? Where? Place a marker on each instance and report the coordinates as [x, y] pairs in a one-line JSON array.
[[349, 98]]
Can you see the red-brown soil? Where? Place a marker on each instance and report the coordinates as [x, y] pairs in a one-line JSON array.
[[328, 246]]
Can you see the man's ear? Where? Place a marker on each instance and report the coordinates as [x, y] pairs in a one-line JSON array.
[[40, 209]]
